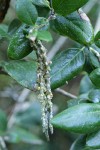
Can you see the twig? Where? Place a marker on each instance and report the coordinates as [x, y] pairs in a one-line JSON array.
[[97, 25], [24, 94], [8, 94], [2, 143], [65, 93], [89, 6], [59, 43], [4, 94]]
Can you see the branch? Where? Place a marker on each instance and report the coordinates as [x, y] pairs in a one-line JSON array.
[[2, 143], [24, 94], [87, 8], [65, 93], [57, 46], [97, 25]]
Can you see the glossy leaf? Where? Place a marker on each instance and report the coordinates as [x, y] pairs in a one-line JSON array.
[[95, 77], [44, 36], [86, 85], [3, 122], [94, 60], [88, 67], [19, 46], [93, 140], [95, 48], [16, 135], [79, 144], [71, 63], [94, 96], [97, 39], [41, 3], [80, 99], [73, 102], [40, 31], [23, 72], [76, 26], [42, 24], [3, 31], [66, 7], [78, 118], [14, 25], [26, 11]]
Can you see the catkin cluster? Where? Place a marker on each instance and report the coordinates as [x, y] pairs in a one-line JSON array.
[[43, 86]]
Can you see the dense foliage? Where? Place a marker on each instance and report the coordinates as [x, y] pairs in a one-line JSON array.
[[26, 62]]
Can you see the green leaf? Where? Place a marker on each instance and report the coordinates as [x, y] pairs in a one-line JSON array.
[[94, 60], [73, 102], [40, 30], [41, 3], [42, 24], [93, 140], [81, 99], [95, 77], [66, 65], [16, 135], [3, 31], [76, 26], [97, 39], [19, 46], [71, 63], [88, 67], [66, 7], [79, 144], [25, 73], [95, 48], [94, 96], [78, 118], [13, 27], [3, 122], [44, 36], [86, 85], [26, 11]]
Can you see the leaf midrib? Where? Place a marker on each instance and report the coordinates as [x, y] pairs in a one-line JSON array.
[[64, 3], [79, 29], [66, 65], [72, 116]]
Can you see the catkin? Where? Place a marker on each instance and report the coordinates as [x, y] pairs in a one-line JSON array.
[[44, 88]]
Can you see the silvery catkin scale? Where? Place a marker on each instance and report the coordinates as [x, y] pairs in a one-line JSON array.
[[43, 86]]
